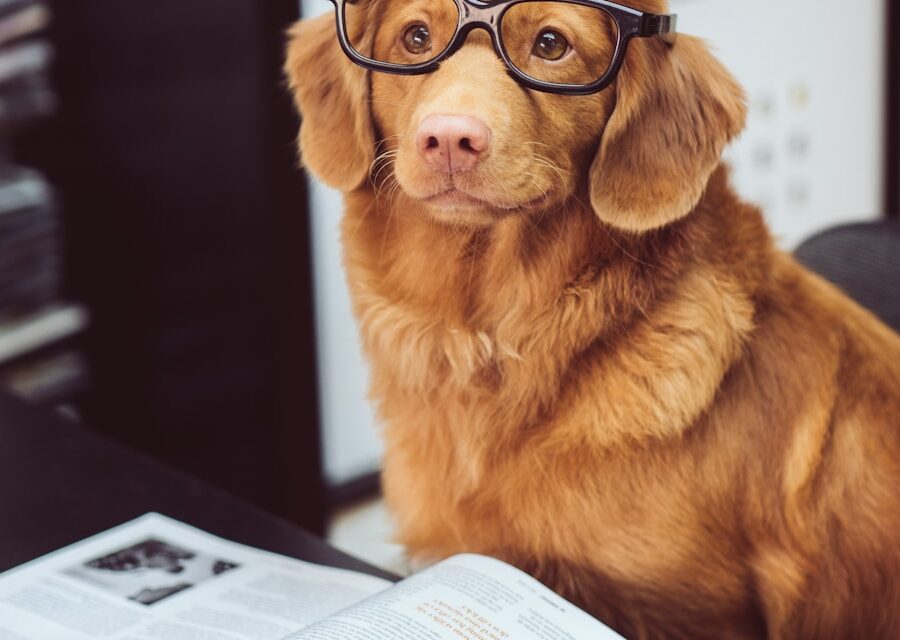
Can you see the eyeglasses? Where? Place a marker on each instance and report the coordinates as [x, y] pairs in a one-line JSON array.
[[571, 47]]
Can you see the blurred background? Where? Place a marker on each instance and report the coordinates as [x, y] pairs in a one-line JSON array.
[[168, 276]]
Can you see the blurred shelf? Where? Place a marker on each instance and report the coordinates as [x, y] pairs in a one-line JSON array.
[[55, 379], [20, 337]]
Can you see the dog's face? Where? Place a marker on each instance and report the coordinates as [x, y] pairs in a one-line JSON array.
[[468, 141], [472, 146]]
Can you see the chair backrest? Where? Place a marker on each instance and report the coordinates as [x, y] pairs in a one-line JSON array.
[[864, 261]]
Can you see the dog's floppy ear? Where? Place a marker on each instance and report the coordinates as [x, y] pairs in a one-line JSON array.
[[677, 107], [337, 140]]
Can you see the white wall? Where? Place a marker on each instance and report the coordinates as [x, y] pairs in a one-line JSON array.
[[814, 70], [812, 155], [351, 446]]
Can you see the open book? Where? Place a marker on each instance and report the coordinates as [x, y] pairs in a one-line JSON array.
[[158, 579]]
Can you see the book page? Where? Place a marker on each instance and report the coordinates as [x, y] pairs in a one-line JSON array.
[[158, 579], [463, 598]]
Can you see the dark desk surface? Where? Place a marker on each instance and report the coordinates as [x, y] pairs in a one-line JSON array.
[[60, 483]]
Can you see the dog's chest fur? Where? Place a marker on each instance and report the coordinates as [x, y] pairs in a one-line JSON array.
[[512, 381]]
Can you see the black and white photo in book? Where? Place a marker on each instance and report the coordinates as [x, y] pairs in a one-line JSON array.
[[150, 571]]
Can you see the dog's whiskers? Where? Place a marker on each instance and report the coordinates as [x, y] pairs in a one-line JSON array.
[[382, 163]]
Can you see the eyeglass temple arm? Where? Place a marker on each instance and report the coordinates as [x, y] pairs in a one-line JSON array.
[[662, 25]]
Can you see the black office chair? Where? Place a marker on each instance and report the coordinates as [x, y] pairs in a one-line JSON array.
[[864, 261]]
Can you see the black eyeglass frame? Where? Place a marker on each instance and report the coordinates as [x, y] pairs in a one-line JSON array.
[[489, 14]]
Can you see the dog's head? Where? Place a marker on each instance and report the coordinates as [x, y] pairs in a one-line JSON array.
[[473, 145]]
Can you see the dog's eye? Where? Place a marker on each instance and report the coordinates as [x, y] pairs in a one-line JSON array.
[[550, 45], [417, 39]]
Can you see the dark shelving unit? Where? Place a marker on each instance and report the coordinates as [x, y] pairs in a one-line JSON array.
[[187, 237], [41, 356]]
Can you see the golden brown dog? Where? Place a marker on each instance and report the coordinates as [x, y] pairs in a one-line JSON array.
[[588, 356]]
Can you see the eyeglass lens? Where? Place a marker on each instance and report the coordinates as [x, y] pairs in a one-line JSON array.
[[549, 41]]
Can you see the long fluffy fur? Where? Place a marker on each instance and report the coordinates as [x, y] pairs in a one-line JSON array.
[[656, 412]]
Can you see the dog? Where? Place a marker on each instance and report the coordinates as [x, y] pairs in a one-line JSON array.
[[590, 359]]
